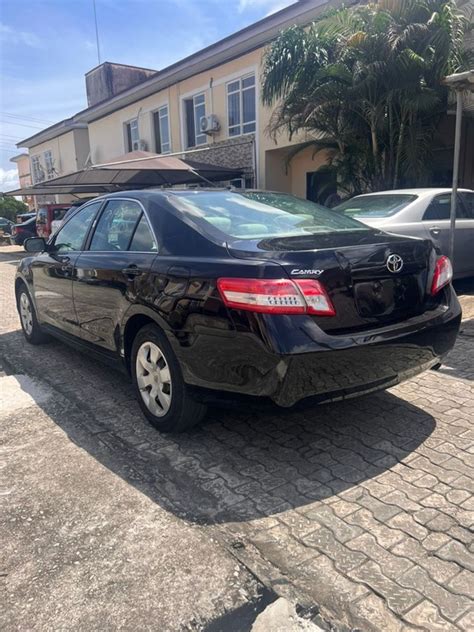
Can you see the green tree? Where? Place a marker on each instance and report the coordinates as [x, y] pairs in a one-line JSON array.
[[10, 207], [364, 83]]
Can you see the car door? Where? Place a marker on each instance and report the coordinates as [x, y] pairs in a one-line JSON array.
[[437, 221], [112, 271], [53, 271]]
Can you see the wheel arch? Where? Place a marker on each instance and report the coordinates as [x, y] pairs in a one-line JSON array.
[[131, 325]]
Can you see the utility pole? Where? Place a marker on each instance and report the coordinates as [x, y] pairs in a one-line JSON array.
[[96, 31]]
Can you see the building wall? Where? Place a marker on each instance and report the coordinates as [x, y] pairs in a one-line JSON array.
[[107, 135], [69, 151]]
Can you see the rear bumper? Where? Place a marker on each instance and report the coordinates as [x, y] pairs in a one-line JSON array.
[[328, 368]]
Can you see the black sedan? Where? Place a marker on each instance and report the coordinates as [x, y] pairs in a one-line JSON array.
[[22, 231], [208, 294]]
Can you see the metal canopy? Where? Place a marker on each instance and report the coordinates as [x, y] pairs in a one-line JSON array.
[[135, 170]]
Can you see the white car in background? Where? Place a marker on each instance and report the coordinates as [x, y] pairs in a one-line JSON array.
[[421, 213]]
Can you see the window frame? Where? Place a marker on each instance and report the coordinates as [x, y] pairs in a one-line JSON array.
[[240, 91], [128, 133], [157, 113], [85, 240], [185, 100]]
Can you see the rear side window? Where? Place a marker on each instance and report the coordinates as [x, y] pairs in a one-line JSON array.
[[116, 226], [71, 236], [439, 208], [143, 240], [468, 203]]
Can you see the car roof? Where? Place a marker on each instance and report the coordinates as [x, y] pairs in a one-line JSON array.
[[416, 191]]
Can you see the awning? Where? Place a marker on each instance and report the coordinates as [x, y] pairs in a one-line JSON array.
[[135, 170]]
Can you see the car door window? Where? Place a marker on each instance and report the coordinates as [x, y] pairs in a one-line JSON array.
[[73, 233], [116, 226], [439, 208], [143, 240], [468, 204]]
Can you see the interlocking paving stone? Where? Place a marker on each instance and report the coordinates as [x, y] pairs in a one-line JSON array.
[[393, 565], [363, 507], [427, 616], [439, 570], [451, 605], [399, 599], [457, 552], [463, 584]]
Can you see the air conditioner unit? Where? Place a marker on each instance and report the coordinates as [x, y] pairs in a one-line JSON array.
[[209, 124], [140, 145]]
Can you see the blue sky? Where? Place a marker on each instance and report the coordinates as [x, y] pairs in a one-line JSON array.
[[46, 47]]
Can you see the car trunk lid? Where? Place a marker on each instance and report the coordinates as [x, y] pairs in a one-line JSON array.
[[356, 271]]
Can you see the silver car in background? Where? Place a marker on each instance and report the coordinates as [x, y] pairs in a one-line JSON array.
[[421, 213]]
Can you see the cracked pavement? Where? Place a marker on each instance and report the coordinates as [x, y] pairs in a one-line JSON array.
[[360, 511]]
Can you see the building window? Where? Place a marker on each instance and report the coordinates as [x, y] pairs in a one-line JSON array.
[[162, 130], [37, 169], [133, 137], [49, 164], [241, 110], [195, 109]]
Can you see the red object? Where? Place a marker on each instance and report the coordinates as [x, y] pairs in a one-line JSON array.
[[443, 274], [46, 215], [276, 296]]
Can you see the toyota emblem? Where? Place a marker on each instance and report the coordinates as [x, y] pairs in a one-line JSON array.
[[394, 263]]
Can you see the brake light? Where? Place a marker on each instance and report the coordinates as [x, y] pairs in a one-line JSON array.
[[443, 274], [276, 296], [316, 297]]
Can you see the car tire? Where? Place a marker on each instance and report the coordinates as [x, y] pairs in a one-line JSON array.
[[159, 386], [27, 313]]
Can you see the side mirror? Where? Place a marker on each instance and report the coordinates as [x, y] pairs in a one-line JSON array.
[[35, 244]]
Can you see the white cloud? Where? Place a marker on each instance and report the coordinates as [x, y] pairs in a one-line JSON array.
[[9, 179], [14, 36]]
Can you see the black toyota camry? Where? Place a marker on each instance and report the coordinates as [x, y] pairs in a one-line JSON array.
[[208, 294]]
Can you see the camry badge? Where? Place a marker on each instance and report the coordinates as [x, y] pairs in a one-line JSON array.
[[394, 263]]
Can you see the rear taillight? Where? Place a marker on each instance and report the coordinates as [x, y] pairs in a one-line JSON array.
[[443, 274], [276, 296]]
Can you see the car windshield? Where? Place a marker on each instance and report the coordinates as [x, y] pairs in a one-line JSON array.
[[382, 205], [254, 215]]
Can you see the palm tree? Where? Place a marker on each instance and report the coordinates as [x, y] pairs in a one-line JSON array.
[[365, 83]]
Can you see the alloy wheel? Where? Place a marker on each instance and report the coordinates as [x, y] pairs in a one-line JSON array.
[[154, 378], [26, 313]]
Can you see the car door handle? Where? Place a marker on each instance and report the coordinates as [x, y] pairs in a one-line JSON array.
[[435, 230], [131, 271]]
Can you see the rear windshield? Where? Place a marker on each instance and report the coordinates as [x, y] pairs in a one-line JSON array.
[[376, 205], [262, 215]]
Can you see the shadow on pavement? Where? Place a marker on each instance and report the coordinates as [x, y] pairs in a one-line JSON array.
[[240, 464]]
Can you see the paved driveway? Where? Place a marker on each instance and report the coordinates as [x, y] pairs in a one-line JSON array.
[[359, 511]]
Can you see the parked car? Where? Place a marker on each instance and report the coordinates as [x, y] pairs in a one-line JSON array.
[[5, 226], [23, 230], [421, 213], [208, 294], [48, 217]]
